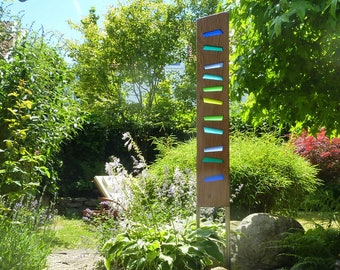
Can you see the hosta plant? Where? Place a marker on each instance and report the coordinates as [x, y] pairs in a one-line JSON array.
[[179, 246]]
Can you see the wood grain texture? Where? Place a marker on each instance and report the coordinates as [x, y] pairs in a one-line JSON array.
[[216, 193]]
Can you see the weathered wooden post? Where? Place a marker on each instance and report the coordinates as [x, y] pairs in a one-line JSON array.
[[213, 117]]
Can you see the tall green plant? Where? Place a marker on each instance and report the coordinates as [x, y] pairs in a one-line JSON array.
[[37, 112]]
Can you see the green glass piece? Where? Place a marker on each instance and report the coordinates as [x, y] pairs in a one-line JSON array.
[[218, 88], [212, 101], [213, 118], [212, 160], [212, 48]]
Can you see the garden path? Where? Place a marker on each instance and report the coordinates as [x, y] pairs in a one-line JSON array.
[[74, 259]]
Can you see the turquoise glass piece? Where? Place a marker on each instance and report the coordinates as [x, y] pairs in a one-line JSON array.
[[216, 32], [212, 77], [214, 178], [212, 48], [214, 131], [212, 160]]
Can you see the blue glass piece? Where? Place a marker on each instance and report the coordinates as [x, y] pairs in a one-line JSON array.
[[216, 32], [213, 66], [213, 149], [214, 178]]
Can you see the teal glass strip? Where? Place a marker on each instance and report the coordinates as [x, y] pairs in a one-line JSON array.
[[218, 88], [214, 178], [213, 118], [212, 160], [212, 77], [212, 48], [214, 131], [213, 66], [213, 149], [216, 32]]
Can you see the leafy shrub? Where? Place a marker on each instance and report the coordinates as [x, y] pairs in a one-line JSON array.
[[322, 152], [316, 249], [164, 247], [26, 235], [37, 110], [266, 176]]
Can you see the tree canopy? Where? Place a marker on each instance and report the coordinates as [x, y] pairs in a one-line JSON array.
[[121, 66], [286, 57]]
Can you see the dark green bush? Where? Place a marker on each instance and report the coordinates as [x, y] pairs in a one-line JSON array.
[[266, 176]]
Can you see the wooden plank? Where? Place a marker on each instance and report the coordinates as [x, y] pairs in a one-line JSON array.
[[212, 75]]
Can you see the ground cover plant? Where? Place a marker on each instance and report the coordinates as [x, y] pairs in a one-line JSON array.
[[26, 234], [164, 247], [73, 233], [316, 249]]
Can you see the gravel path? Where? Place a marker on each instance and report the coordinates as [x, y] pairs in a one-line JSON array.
[[74, 259]]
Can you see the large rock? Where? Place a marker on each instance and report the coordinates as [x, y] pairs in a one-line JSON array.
[[254, 246]]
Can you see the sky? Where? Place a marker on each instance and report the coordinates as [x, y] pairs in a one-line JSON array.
[[52, 15]]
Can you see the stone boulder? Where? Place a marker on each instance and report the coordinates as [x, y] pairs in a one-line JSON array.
[[254, 246]]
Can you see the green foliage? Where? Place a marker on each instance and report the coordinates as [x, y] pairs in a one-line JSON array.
[[180, 246], [37, 112], [129, 54], [286, 58], [183, 156], [316, 249], [265, 173], [143, 37], [146, 242], [268, 175], [26, 234]]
